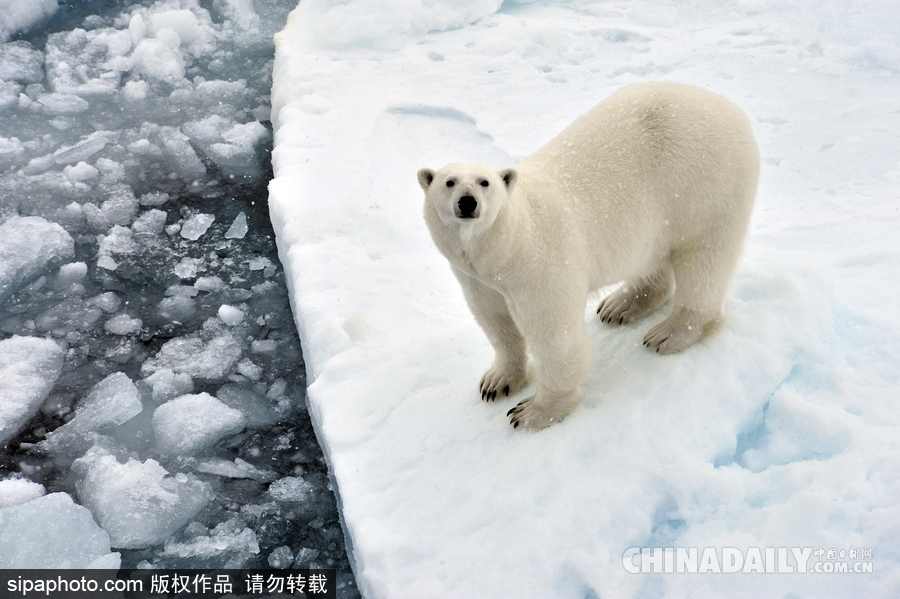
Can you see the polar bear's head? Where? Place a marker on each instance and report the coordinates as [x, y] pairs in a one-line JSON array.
[[467, 194]]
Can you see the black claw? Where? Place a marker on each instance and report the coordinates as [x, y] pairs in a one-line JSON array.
[[620, 320], [510, 413], [516, 424], [506, 390]]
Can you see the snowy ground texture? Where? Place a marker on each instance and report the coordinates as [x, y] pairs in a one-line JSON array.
[[779, 431], [151, 381]]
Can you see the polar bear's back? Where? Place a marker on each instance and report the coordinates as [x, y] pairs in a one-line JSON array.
[[650, 143]]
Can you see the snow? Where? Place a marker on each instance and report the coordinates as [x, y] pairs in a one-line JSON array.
[[28, 244], [53, 532], [778, 431], [29, 367], [192, 423], [137, 503]]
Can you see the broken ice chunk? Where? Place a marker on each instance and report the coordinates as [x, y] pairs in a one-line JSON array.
[[209, 283], [123, 324], [231, 538], [151, 222], [81, 172], [77, 60], [109, 302], [194, 227], [53, 532], [191, 423], [256, 408], [29, 367], [292, 489], [20, 16], [73, 272], [112, 401], [230, 315], [238, 228], [19, 61], [205, 355], [234, 469], [178, 308], [83, 150], [166, 385], [57, 104], [250, 370], [137, 503], [27, 245], [16, 491], [188, 267]]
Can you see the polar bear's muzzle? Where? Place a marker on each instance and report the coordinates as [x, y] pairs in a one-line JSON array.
[[467, 207]]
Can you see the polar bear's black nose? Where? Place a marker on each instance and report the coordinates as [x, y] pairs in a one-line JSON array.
[[467, 207]]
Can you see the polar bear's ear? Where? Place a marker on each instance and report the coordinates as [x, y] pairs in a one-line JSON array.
[[509, 176], [426, 176]]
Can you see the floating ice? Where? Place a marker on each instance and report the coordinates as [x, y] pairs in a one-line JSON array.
[[28, 244], [21, 15], [237, 468], [238, 228], [194, 227], [29, 367], [111, 402], [19, 61], [108, 301], [292, 489], [208, 355], [166, 385], [78, 61], [15, 491], [231, 538], [192, 423], [56, 104], [53, 532], [256, 408], [83, 150], [281, 557], [123, 324], [230, 315], [151, 222], [137, 503], [81, 172]]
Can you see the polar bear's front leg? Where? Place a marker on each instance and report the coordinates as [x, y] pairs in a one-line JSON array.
[[510, 368], [559, 342]]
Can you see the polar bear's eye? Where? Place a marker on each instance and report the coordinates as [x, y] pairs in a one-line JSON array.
[[484, 183], [451, 183]]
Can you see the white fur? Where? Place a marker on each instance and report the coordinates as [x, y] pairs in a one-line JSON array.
[[653, 186]]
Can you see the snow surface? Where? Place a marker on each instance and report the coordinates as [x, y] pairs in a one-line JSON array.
[[778, 431]]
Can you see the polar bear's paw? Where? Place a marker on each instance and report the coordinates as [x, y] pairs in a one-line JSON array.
[[502, 381], [533, 414], [679, 331], [633, 300]]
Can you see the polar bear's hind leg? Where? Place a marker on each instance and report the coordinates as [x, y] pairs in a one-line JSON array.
[[638, 297]]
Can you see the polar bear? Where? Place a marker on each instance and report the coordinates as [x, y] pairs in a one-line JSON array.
[[654, 187]]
